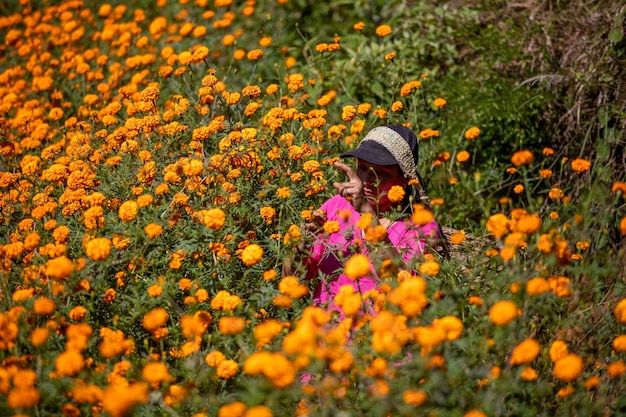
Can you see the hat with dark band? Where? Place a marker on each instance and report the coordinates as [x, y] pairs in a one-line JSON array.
[[389, 145]]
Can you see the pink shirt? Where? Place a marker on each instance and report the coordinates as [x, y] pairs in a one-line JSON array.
[[408, 239]]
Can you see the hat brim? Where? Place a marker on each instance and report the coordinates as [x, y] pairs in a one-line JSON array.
[[372, 152]]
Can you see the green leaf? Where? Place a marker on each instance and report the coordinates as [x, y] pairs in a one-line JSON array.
[[616, 35]]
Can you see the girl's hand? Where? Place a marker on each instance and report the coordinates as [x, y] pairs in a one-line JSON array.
[[352, 189]]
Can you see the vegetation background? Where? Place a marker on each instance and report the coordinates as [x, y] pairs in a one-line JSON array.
[[158, 158]]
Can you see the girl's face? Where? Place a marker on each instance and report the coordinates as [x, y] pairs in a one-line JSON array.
[[377, 181]]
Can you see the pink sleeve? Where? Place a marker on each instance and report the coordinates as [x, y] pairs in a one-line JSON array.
[[411, 241]]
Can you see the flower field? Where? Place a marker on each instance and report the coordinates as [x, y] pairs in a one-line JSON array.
[[158, 162]]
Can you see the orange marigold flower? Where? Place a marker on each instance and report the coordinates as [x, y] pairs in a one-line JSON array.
[[358, 26], [568, 368], [580, 165], [357, 266], [620, 310], [98, 249], [430, 268], [397, 106], [69, 363], [529, 374], [520, 158], [227, 369], [255, 55], [525, 352], [383, 30], [156, 372], [503, 312], [498, 225], [252, 254], [558, 349], [214, 218], [128, 211], [59, 268], [472, 133], [421, 215], [592, 382], [440, 102], [616, 368], [236, 409], [43, 306], [153, 230], [537, 285], [396, 194], [229, 325], [619, 343], [463, 156], [619, 186], [39, 336], [155, 319], [390, 56]]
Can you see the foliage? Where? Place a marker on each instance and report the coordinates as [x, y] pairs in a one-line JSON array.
[[160, 159]]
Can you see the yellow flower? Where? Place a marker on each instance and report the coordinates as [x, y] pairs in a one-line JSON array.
[[568, 368], [503, 312], [214, 218], [525, 352], [383, 30], [98, 249], [252, 254], [357, 266]]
